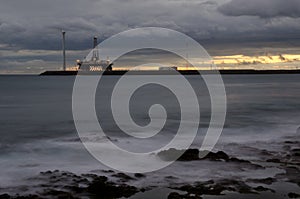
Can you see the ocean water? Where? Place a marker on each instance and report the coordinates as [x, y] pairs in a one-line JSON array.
[[37, 132]]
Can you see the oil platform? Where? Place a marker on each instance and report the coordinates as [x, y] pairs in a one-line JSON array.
[[95, 63]]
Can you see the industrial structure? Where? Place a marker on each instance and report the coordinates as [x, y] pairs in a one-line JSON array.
[[94, 63]]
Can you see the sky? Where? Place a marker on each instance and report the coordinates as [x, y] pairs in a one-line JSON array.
[[236, 33]]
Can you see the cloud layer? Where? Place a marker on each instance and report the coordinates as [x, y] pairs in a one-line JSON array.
[[222, 26], [262, 8]]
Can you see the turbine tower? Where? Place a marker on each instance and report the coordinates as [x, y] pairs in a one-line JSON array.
[[64, 49]]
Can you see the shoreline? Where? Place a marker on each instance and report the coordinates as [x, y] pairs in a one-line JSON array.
[[182, 72], [283, 182]]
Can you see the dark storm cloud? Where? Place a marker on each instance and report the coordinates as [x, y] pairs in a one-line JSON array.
[[262, 8], [36, 24], [222, 27]]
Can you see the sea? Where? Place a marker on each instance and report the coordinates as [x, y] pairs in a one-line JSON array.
[[37, 130]]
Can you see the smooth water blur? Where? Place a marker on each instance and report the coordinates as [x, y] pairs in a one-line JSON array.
[[37, 130]]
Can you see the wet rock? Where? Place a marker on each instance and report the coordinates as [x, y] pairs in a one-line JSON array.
[[123, 177], [192, 155], [5, 196], [195, 154], [139, 175], [291, 142], [107, 171], [180, 155], [292, 173], [100, 187], [171, 178], [217, 188], [189, 155], [46, 173], [60, 184], [201, 189], [261, 188], [74, 189], [295, 152], [239, 160], [265, 153], [293, 195], [175, 195], [275, 160], [58, 194], [235, 185], [91, 176], [267, 181], [220, 155], [204, 188]]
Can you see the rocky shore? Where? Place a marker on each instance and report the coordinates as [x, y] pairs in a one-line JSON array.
[[112, 184]]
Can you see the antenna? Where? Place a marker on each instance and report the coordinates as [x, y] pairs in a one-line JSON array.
[[64, 49]]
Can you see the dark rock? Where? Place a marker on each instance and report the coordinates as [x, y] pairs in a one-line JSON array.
[[216, 188], [5, 196], [180, 155], [139, 175], [291, 142], [100, 187], [294, 195], [171, 177], [203, 188], [123, 177], [236, 185], [46, 173], [205, 183], [220, 155], [89, 175], [292, 173], [74, 189], [239, 160], [275, 160], [267, 181], [174, 195], [107, 171], [261, 188], [192, 155], [265, 153], [58, 194], [67, 185], [195, 154], [189, 155], [295, 152], [27, 197], [143, 190]]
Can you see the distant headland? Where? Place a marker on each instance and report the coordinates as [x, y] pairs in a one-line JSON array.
[[160, 72]]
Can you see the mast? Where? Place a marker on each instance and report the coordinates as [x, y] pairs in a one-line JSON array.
[[95, 50]]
